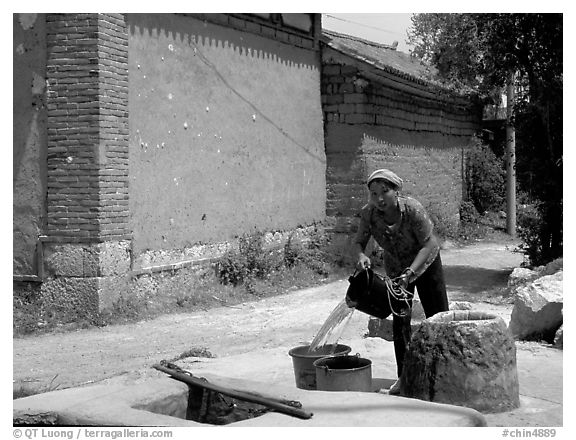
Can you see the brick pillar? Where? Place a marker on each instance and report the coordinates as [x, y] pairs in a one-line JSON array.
[[88, 234]]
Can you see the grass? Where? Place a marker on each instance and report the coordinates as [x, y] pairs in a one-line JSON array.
[[27, 389]]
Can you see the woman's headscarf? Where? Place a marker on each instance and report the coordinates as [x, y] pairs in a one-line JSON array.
[[387, 175]]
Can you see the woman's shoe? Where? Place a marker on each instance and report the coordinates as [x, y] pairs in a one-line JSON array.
[[395, 388]]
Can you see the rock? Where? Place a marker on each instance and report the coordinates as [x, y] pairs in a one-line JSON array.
[[552, 267], [520, 276], [537, 312], [465, 358], [460, 305], [559, 338]]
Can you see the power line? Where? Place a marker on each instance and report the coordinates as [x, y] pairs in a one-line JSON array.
[[363, 25]]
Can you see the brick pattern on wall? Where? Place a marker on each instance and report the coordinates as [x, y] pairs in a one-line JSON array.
[[87, 148], [351, 97], [264, 27], [114, 135], [374, 119]]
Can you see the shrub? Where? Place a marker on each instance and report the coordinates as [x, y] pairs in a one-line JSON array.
[[248, 262], [529, 228], [445, 222], [309, 254], [470, 227], [468, 213], [485, 178]]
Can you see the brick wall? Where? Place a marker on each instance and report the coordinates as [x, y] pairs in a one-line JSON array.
[[87, 157], [413, 113], [300, 30], [87, 236], [376, 119]]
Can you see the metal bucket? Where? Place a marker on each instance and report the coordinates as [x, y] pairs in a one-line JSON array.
[[303, 362], [343, 373]]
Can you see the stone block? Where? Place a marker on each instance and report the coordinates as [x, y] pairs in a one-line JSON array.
[[114, 257], [69, 299], [465, 358], [87, 260], [64, 260]]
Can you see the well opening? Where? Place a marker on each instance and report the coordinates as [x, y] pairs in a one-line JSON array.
[[205, 406], [461, 316]]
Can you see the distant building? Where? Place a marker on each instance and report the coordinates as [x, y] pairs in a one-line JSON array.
[[382, 110]]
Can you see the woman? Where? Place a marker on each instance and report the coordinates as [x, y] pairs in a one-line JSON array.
[[402, 228]]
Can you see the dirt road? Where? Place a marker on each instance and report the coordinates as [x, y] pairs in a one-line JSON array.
[[91, 355]]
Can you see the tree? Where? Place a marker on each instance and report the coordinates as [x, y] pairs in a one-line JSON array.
[[476, 53]]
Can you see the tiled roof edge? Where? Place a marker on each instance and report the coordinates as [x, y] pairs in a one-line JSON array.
[[382, 67], [410, 77], [362, 40]]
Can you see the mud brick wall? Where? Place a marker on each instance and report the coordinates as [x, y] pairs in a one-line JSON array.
[[29, 141], [377, 119], [226, 134]]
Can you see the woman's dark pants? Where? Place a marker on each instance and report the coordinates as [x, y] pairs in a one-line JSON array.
[[432, 293]]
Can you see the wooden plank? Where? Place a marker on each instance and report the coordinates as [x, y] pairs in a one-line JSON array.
[[291, 408]]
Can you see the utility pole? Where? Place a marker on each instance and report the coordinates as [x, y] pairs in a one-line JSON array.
[[510, 159]]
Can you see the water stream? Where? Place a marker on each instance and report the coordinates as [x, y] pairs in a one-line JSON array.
[[332, 329]]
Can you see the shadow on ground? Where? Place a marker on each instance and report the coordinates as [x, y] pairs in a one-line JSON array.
[[474, 279]]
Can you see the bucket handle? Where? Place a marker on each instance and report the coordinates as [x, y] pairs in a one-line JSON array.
[[369, 280], [328, 370]]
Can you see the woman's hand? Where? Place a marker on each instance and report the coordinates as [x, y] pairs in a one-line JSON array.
[[404, 279], [363, 262]]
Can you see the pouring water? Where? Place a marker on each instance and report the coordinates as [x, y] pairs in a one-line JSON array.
[[332, 329]]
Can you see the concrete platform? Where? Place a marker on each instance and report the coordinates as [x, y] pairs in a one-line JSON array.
[[151, 398], [161, 401]]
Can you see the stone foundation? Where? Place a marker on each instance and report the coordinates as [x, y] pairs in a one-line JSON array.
[[82, 279]]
